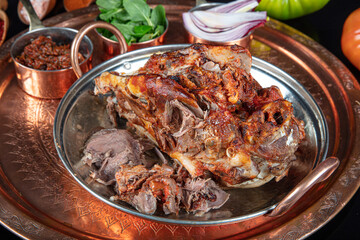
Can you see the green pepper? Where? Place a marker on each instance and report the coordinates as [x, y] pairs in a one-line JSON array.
[[289, 9]]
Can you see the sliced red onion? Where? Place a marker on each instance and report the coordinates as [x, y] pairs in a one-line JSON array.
[[227, 20], [205, 28], [225, 36], [236, 6]]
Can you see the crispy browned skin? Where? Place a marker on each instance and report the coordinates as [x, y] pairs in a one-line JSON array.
[[202, 106]]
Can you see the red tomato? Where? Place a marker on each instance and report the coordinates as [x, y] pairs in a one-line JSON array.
[[350, 39]]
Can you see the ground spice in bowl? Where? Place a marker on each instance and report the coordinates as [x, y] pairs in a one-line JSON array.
[[44, 54]]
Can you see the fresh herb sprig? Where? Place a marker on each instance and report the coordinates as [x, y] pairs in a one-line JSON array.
[[134, 18]]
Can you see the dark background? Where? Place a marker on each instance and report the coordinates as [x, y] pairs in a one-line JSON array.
[[324, 26]]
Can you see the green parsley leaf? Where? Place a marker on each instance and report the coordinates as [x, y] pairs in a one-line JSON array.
[[141, 30], [134, 18], [126, 30], [146, 37], [109, 4], [138, 10], [158, 16], [158, 31], [109, 14]]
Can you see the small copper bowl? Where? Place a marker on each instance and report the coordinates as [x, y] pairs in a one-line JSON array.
[[45, 83], [244, 41], [110, 48]]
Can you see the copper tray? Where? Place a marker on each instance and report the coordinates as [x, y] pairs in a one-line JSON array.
[[40, 200]]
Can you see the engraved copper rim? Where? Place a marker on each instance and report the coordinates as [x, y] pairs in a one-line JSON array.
[[39, 199]]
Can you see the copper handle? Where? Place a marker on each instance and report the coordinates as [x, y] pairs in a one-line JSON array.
[[319, 174], [85, 29]]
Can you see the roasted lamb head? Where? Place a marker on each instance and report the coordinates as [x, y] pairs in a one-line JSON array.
[[201, 106]]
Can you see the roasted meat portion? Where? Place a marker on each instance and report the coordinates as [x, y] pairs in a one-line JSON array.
[[108, 149], [201, 195], [118, 159], [145, 189], [202, 107]]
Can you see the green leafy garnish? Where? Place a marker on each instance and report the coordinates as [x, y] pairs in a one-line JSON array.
[[158, 16], [141, 30], [134, 18], [138, 10]]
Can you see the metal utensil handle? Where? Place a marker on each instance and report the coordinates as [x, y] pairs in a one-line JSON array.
[[85, 29], [35, 22], [319, 174]]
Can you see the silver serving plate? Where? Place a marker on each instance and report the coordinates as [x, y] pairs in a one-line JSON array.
[[80, 114]]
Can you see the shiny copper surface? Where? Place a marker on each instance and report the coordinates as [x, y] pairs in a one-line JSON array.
[[48, 84], [40, 200], [121, 44], [322, 172], [43, 83], [244, 42]]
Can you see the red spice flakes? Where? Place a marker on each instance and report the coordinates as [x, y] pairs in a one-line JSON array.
[[43, 54], [1, 28]]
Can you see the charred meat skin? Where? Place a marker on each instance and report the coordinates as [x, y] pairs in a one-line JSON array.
[[201, 195], [202, 106], [145, 189]]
